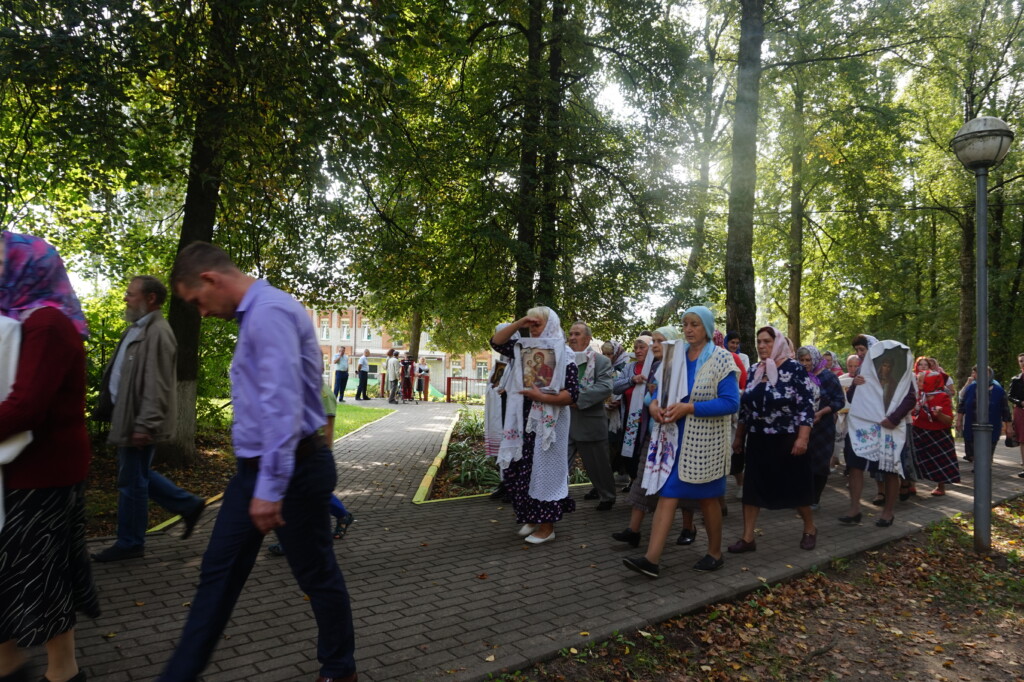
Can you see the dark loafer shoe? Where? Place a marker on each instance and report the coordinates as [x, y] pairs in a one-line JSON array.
[[687, 537], [354, 677], [641, 565], [115, 553], [741, 546], [808, 541], [851, 520], [605, 505], [592, 495], [884, 523], [191, 519], [630, 536], [709, 563]]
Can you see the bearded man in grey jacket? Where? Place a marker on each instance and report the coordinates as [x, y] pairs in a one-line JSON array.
[[138, 397]]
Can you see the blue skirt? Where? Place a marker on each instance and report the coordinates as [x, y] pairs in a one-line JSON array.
[[679, 489]]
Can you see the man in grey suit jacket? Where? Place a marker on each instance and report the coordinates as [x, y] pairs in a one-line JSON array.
[[588, 430]]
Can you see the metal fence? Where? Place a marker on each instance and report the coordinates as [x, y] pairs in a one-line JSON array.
[[464, 389]]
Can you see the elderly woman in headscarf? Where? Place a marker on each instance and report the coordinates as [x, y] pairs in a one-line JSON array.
[[776, 416], [632, 386], [643, 502], [533, 454], [689, 453], [829, 401], [47, 576]]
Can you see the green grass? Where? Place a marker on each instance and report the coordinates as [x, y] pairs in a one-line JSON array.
[[349, 418]]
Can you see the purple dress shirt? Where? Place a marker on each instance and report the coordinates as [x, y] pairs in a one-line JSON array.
[[275, 384]]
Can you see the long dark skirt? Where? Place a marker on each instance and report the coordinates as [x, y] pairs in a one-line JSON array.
[[517, 482], [935, 455], [775, 478], [45, 574]]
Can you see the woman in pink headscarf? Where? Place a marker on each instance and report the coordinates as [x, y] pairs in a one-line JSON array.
[[776, 416], [45, 569]]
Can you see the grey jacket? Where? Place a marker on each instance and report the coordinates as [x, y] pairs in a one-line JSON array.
[[147, 394], [589, 421]]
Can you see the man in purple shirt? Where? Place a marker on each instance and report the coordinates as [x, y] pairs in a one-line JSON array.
[[286, 474]]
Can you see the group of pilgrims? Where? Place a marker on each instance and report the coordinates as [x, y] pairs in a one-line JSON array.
[[687, 409]]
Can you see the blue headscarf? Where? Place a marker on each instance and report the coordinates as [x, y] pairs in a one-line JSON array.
[[707, 318]]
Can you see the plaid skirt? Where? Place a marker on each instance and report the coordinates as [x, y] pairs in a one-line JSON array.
[[935, 455]]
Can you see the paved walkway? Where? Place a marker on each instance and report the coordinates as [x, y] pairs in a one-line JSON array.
[[448, 590]]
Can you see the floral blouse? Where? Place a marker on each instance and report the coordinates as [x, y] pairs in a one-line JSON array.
[[782, 408]]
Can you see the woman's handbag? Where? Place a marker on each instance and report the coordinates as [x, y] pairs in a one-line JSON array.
[[1011, 441]]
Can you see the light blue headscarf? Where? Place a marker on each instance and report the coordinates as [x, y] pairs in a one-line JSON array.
[[669, 331], [708, 319]]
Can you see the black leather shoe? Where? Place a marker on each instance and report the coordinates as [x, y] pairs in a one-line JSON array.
[[709, 563], [115, 553], [191, 519], [687, 537], [642, 565], [630, 536], [884, 523], [592, 495], [851, 520], [606, 505]]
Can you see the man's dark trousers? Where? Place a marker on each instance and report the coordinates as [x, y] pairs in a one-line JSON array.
[[361, 388], [309, 548], [340, 383]]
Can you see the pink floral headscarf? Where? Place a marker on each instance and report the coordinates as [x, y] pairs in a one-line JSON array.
[[34, 277]]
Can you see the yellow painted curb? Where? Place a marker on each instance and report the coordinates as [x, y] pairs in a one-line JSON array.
[[428, 479], [174, 519]]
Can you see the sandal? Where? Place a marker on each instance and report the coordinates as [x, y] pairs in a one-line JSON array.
[[341, 527], [938, 493], [879, 500]]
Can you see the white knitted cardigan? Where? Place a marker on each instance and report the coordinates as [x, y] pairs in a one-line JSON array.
[[704, 455]]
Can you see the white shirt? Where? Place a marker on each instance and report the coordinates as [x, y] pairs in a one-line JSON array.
[[340, 363]]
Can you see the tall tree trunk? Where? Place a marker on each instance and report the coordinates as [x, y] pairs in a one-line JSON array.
[[796, 221], [740, 302], [201, 198], [526, 196], [415, 330], [547, 242]]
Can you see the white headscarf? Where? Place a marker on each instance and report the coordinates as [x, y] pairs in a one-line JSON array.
[[868, 437]]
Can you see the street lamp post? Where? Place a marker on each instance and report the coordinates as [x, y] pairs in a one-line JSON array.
[[979, 145]]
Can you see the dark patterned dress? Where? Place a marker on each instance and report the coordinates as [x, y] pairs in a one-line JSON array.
[[518, 473], [773, 415]]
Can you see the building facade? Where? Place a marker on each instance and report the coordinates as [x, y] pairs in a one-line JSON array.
[[351, 330]]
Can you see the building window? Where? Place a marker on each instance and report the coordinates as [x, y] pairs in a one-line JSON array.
[[366, 333], [346, 331], [481, 369], [325, 330], [456, 368]]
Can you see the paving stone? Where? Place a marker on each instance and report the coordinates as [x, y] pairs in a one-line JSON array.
[[422, 609]]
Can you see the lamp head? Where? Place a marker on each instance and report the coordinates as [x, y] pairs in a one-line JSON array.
[[982, 142]]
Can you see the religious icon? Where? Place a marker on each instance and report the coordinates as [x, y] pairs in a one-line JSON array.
[[890, 366], [498, 373], [538, 367]]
